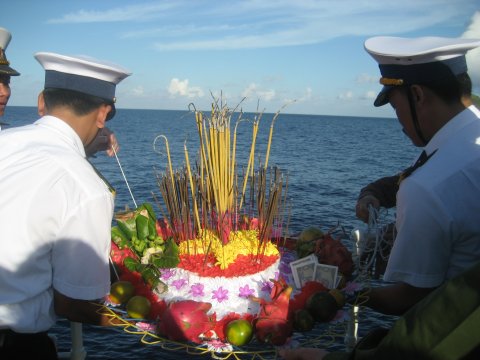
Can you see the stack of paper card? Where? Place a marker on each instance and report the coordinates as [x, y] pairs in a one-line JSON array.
[[309, 269]]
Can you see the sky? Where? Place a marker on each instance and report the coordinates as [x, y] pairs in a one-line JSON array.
[[297, 56]]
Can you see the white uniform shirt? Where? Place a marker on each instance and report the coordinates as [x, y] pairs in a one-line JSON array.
[[55, 221], [438, 208]]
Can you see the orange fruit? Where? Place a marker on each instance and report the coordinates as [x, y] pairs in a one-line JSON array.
[[138, 307], [239, 332], [121, 292]]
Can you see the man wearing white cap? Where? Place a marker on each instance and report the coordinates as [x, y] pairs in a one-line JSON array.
[[5, 71], [438, 235], [56, 211], [435, 260]]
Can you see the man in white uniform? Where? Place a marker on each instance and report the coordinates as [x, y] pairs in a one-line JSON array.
[[5, 71], [55, 210], [435, 261], [438, 231]]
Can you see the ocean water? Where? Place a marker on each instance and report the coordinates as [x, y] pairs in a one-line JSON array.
[[327, 159]]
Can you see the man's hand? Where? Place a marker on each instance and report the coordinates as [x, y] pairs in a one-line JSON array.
[[361, 209], [104, 140]]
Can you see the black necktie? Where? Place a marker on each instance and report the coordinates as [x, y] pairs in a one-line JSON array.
[[109, 186], [422, 159]]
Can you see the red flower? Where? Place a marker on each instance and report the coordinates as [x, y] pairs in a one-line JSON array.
[[243, 265]]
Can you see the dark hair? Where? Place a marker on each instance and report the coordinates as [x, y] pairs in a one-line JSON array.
[[79, 103], [5, 79], [453, 88]]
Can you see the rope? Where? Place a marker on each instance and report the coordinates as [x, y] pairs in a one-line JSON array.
[[124, 177], [372, 244]]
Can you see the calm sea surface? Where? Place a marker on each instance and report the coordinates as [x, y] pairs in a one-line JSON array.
[[327, 159]]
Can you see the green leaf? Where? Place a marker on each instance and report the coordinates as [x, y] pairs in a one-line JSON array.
[[132, 264], [149, 208], [152, 227], [169, 258], [119, 238], [142, 226], [127, 227], [151, 276]]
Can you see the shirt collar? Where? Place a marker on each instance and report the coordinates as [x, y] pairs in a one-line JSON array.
[[462, 119], [65, 131]]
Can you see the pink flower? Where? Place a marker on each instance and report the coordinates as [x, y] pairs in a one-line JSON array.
[[266, 286], [197, 289], [245, 291], [167, 273], [220, 294], [179, 283]]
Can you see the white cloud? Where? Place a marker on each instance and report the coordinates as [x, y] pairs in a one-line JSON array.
[[252, 91], [307, 95], [370, 94], [366, 79], [182, 88], [347, 95], [254, 24], [138, 91], [141, 12], [473, 56]]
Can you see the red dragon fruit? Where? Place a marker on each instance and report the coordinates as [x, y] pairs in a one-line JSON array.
[[331, 251], [185, 320], [273, 324]]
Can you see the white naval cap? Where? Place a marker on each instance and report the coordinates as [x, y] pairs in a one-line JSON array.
[[406, 61], [5, 69], [81, 73]]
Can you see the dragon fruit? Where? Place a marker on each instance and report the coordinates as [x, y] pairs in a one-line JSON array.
[[273, 324], [331, 251], [187, 319]]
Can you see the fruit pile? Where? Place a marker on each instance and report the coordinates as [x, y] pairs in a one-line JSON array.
[[123, 293], [328, 250], [315, 304], [188, 320]]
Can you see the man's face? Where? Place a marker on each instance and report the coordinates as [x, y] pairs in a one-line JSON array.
[[398, 99], [4, 92]]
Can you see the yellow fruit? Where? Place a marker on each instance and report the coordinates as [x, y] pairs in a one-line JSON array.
[[339, 297], [138, 307], [121, 292], [239, 332]]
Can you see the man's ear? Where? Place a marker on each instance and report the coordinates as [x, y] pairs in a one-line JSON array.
[[41, 104], [102, 115], [418, 93]]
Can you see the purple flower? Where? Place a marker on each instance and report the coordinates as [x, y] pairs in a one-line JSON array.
[[266, 286], [167, 273], [220, 294], [285, 268], [351, 287], [179, 283], [245, 291], [197, 289]]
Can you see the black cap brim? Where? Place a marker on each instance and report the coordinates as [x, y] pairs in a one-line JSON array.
[[382, 97], [7, 70]]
